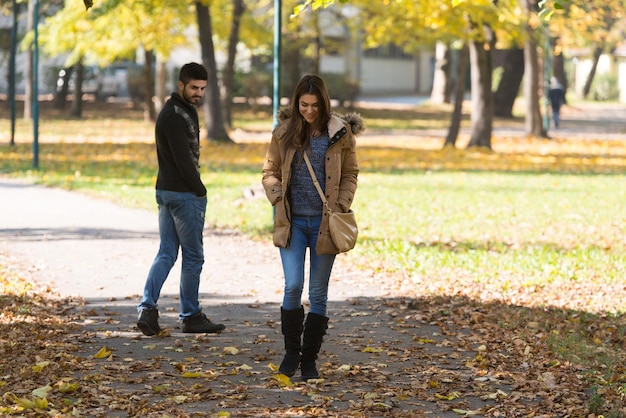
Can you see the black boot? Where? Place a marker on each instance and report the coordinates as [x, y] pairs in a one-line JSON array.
[[292, 323], [314, 331]]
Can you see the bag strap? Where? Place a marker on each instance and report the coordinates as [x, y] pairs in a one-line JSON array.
[[315, 182]]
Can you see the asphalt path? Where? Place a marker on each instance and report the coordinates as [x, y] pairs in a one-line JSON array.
[[98, 254], [91, 248]]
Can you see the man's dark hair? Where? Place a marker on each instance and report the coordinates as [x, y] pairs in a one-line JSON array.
[[192, 71]]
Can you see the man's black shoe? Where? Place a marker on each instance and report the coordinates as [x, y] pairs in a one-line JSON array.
[[148, 322], [199, 324]]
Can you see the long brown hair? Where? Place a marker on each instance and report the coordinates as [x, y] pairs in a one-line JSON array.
[[298, 133]]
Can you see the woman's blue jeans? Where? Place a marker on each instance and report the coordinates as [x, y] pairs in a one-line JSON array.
[[181, 222], [304, 232]]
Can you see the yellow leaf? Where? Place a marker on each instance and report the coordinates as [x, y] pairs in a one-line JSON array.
[[273, 367], [26, 403], [230, 350], [66, 387], [450, 396], [41, 403], [225, 414], [103, 353], [283, 380], [180, 399], [192, 375], [11, 396], [244, 367], [149, 347], [467, 413], [372, 350], [40, 366], [42, 392]]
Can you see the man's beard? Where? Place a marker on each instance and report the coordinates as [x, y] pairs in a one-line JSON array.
[[194, 100]]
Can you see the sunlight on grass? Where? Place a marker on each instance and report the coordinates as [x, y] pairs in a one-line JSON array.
[[511, 234]]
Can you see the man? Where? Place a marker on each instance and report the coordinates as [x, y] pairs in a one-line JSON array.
[[557, 99], [182, 201]]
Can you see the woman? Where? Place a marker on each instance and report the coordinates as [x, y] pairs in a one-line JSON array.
[[299, 221]]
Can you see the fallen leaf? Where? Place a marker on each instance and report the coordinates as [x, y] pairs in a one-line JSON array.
[[466, 412], [40, 366], [230, 350], [450, 396], [283, 380], [42, 392], [103, 353], [192, 375]]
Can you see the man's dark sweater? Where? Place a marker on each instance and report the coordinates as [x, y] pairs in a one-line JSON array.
[[178, 147]]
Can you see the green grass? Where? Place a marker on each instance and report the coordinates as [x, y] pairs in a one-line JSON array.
[[440, 230]]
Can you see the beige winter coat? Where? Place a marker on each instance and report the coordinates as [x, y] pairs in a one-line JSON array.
[[341, 177]]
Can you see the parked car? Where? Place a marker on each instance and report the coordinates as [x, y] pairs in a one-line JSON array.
[[102, 83]]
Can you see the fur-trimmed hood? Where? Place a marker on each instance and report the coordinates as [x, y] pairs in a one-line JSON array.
[[353, 119], [340, 173]]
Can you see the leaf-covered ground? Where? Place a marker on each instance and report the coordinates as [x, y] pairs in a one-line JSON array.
[[437, 346], [385, 357]]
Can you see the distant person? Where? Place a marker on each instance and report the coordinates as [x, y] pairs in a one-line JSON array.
[[300, 223], [557, 99], [182, 201]]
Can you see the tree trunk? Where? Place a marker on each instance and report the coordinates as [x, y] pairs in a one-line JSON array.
[[229, 71], [317, 44], [597, 53], [441, 81], [160, 84], [291, 57], [508, 88], [482, 96], [216, 130], [459, 95], [149, 114], [533, 121], [77, 104]]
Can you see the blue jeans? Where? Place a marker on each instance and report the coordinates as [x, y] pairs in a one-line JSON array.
[[304, 232], [181, 222]]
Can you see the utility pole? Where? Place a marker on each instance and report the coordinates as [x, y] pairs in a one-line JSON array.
[[277, 43], [36, 85], [12, 71]]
